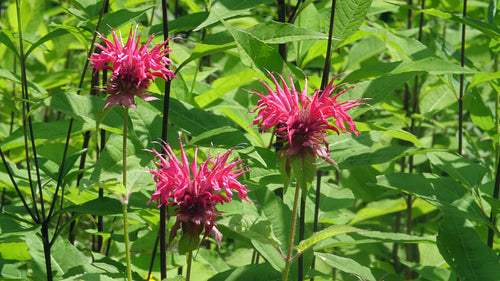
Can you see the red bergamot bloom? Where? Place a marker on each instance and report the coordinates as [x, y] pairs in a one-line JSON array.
[[132, 67], [301, 121], [194, 189]]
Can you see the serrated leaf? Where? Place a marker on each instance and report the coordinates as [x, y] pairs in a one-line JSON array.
[[252, 227], [272, 32], [324, 234], [466, 171], [349, 15], [465, 252], [347, 265]]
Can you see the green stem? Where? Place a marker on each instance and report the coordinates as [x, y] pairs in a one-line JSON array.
[[125, 200], [189, 260], [127, 248], [292, 233]]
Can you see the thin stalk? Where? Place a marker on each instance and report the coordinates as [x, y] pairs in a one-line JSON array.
[[326, 68], [153, 257], [301, 236], [189, 260], [125, 201], [292, 233], [496, 190], [461, 98], [316, 211], [282, 18], [46, 249], [166, 105]]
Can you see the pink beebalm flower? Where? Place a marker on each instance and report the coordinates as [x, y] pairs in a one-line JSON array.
[[133, 67], [194, 189], [302, 121]]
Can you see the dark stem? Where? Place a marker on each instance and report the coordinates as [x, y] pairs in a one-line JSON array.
[[294, 14], [491, 233], [461, 93], [316, 211], [282, 18], [166, 105], [153, 257], [46, 249], [326, 68]]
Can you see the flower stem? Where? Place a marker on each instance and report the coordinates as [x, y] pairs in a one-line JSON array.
[[292, 233], [125, 200], [189, 260]]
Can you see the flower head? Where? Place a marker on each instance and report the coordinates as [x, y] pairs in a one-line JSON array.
[[133, 67], [302, 121], [194, 189]]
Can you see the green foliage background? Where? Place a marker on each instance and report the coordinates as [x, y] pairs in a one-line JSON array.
[[424, 208]]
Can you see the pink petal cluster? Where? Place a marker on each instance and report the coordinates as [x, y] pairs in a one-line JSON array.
[[195, 189], [133, 67], [302, 121]]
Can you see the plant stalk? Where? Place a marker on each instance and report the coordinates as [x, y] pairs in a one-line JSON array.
[[292, 233], [189, 260], [125, 200]]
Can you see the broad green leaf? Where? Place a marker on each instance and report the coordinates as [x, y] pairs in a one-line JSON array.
[[480, 113], [251, 227], [90, 7], [103, 206], [254, 53], [303, 170], [64, 256], [347, 265], [9, 227], [202, 50], [319, 236], [121, 16], [458, 167], [177, 278], [45, 131], [434, 273], [388, 206], [34, 89], [481, 78], [445, 193], [213, 259], [238, 115], [227, 136], [6, 38], [182, 23], [224, 9], [464, 250], [49, 36], [10, 250], [225, 84], [488, 29], [349, 15], [112, 185], [272, 32], [398, 134], [252, 272], [370, 237]]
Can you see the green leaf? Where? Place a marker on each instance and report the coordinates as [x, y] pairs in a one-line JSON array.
[[6, 39], [222, 136], [224, 9], [463, 250], [324, 234], [272, 32], [370, 237], [34, 89], [241, 117], [347, 265], [112, 186], [252, 272], [480, 78], [349, 15], [458, 167], [202, 50], [177, 278], [103, 206], [480, 113], [64, 256], [10, 227], [225, 84], [251, 227], [254, 53], [488, 29], [49, 36], [14, 249], [303, 170], [445, 193]]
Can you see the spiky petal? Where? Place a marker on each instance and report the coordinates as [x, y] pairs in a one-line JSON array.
[[302, 121], [133, 67], [194, 190]]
